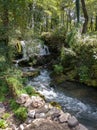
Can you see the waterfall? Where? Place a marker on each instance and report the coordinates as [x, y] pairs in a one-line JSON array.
[[32, 48]]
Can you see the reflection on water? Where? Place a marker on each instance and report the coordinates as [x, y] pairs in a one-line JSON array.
[[73, 97]]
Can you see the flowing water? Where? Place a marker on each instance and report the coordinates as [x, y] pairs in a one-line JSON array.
[[29, 51], [73, 97]]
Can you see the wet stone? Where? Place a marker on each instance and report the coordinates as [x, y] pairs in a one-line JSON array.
[[64, 117], [73, 122], [40, 115], [31, 114], [81, 127]]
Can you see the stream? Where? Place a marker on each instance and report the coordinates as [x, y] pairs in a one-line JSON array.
[[74, 98]]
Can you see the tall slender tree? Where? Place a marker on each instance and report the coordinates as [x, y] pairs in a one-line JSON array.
[[78, 11], [84, 30]]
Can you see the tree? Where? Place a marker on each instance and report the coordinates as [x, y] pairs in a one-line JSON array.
[[78, 11], [84, 30]]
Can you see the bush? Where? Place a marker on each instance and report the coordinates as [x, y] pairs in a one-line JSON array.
[[21, 113], [30, 90], [14, 106], [15, 86], [58, 69], [84, 73]]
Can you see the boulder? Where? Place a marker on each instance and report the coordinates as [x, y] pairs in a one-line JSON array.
[[37, 102], [40, 115], [81, 127], [43, 109], [44, 124], [22, 98], [72, 122], [31, 114], [64, 117], [53, 111]]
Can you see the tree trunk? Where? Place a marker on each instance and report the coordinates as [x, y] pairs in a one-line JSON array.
[[5, 38], [96, 24], [78, 11], [84, 30], [47, 23], [91, 24]]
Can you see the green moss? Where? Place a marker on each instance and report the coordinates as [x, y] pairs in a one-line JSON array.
[[91, 82], [3, 124], [30, 90], [3, 90], [6, 116], [14, 106], [15, 86], [21, 113], [55, 104]]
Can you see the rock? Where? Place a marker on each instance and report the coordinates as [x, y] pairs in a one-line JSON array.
[[22, 98], [81, 127], [30, 126], [29, 120], [39, 121], [43, 109], [30, 74], [40, 115], [28, 103], [45, 124], [37, 102], [55, 116], [31, 114], [21, 127], [72, 122], [64, 117], [2, 109], [53, 111]]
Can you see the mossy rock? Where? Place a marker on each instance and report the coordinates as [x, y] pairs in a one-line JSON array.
[[59, 78], [92, 82], [55, 104], [30, 74], [15, 86], [53, 41]]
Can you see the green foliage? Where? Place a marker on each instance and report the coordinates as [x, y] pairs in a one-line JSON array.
[[60, 31], [15, 86], [3, 90], [71, 36], [58, 69], [21, 113], [3, 124], [30, 90], [84, 73], [14, 106], [6, 116]]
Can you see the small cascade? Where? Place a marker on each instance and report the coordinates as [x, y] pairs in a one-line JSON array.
[[24, 49], [32, 48], [44, 50]]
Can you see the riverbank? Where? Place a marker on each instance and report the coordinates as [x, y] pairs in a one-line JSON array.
[[40, 116], [21, 111]]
